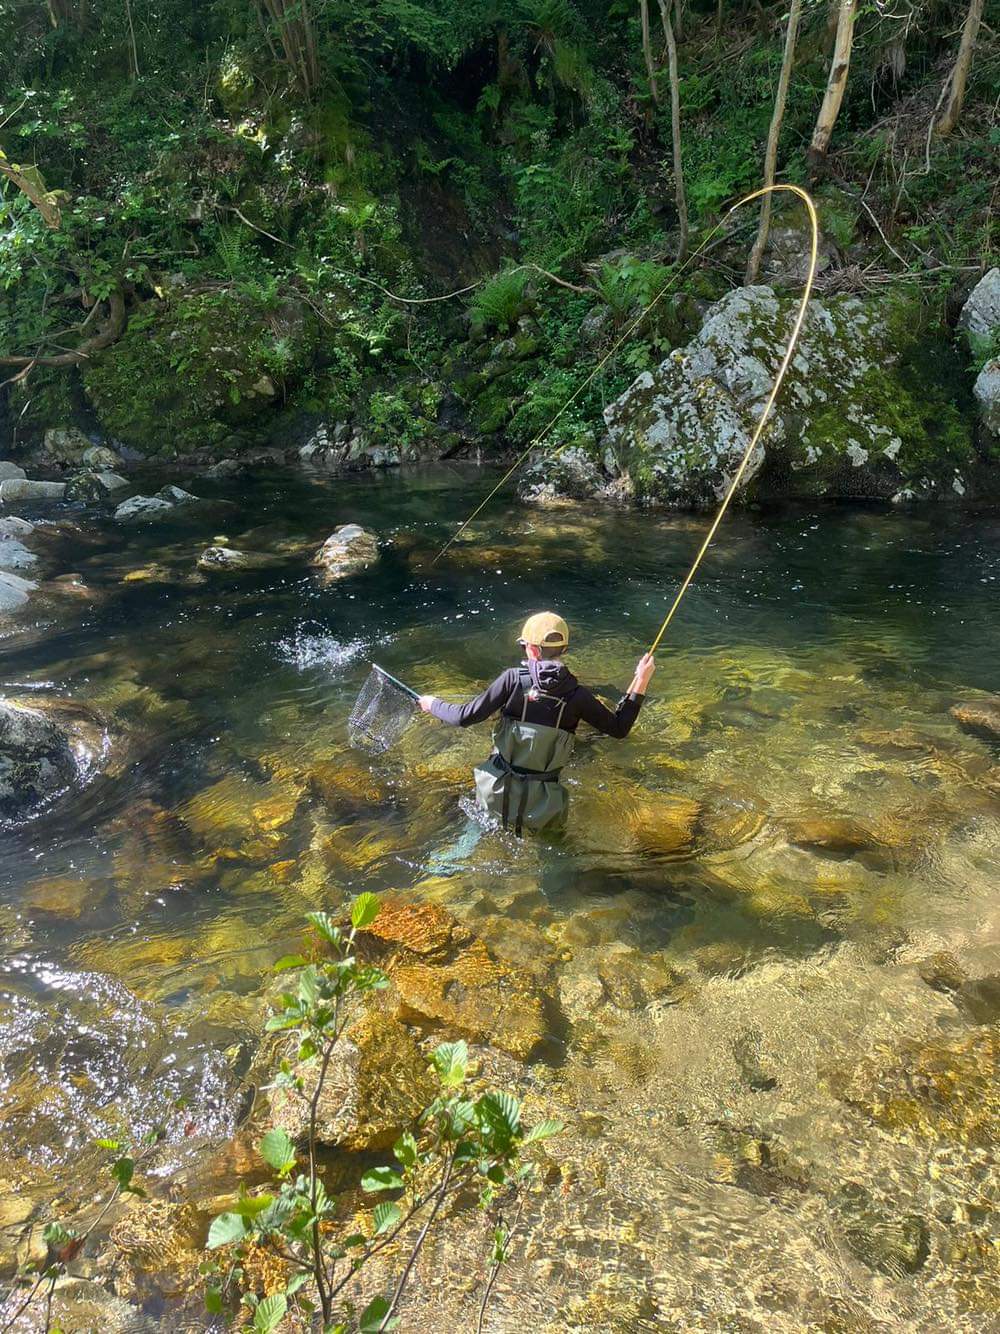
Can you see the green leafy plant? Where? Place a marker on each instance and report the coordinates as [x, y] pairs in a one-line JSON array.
[[64, 1243], [497, 304], [462, 1145]]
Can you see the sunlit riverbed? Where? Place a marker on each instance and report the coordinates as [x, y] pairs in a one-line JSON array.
[[765, 934]]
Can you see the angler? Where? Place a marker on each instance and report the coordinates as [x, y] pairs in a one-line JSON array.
[[541, 704]]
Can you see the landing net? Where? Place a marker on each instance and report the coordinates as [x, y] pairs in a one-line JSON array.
[[381, 713]]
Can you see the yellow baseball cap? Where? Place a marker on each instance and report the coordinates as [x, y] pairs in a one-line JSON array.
[[546, 630]]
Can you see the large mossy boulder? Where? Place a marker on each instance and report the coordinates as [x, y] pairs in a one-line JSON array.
[[867, 409], [191, 371], [980, 319]]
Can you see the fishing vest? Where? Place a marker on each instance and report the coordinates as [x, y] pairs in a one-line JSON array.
[[519, 783]]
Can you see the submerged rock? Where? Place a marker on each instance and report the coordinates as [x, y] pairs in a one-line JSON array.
[[36, 760], [981, 717], [444, 975], [346, 551], [377, 1084], [228, 558]]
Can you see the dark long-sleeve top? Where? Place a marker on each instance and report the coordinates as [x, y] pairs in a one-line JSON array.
[[554, 679]]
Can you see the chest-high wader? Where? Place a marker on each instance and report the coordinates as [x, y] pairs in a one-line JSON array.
[[519, 783]]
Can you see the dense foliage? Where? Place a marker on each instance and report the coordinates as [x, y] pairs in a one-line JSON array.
[[283, 167]]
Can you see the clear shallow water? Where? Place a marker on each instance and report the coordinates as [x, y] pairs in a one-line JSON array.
[[735, 932]]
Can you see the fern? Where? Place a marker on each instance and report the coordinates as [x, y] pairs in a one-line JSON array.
[[497, 304]]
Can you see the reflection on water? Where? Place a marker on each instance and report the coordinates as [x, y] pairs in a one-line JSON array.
[[770, 933]]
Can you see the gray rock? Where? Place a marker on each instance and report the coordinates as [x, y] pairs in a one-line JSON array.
[[14, 591], [95, 486], [677, 433], [225, 468], [36, 760], [10, 471], [14, 555], [228, 558], [175, 495], [981, 312], [65, 444], [987, 392], [99, 458], [570, 475], [14, 527], [138, 508], [346, 551], [20, 488]]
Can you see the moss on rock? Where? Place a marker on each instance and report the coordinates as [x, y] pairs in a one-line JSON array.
[[189, 372]]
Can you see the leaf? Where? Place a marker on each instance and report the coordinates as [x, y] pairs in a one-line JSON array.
[[385, 1216], [325, 925], [123, 1171], [270, 1313], [252, 1205], [381, 1178], [213, 1299], [501, 1113], [544, 1130], [296, 1282], [373, 1315], [54, 1234], [281, 1021], [115, 1145], [405, 1150], [355, 1239], [309, 986], [451, 1061], [364, 910], [278, 1151], [290, 961], [224, 1230]]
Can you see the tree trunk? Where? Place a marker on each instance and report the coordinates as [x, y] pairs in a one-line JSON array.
[[773, 134], [836, 84], [675, 130], [109, 332], [960, 72], [647, 49], [29, 181], [298, 40]]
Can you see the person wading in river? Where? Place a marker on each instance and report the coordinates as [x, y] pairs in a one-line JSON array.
[[541, 704]]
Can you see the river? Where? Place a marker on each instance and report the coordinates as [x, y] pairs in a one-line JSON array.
[[770, 935]]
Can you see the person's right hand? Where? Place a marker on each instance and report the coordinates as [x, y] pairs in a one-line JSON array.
[[644, 669], [425, 702]]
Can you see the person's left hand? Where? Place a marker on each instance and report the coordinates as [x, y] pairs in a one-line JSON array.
[[426, 702]]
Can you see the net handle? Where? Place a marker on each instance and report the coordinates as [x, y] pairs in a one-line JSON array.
[[396, 682]]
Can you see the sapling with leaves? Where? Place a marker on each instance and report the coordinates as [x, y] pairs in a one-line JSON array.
[[463, 1147], [36, 1281]]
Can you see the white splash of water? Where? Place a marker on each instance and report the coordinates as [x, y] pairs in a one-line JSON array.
[[306, 650]]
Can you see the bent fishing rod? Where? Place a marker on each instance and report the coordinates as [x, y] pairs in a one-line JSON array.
[[748, 453]]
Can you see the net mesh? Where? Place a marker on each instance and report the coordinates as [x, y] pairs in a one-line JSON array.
[[381, 713]]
